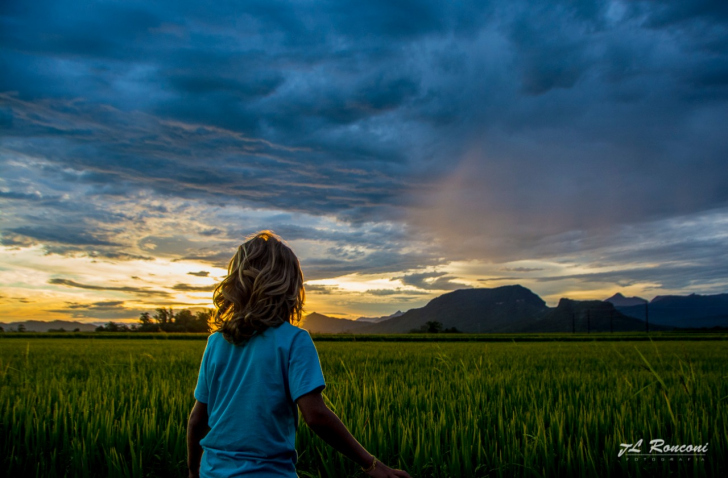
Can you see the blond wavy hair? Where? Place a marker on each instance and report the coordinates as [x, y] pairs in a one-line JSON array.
[[263, 288]]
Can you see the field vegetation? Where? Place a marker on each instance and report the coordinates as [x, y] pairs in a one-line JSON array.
[[118, 408], [410, 337]]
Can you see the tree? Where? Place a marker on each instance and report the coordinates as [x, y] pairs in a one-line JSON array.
[[112, 327], [184, 318], [202, 320], [164, 316], [430, 327], [21, 327], [146, 324], [165, 320]]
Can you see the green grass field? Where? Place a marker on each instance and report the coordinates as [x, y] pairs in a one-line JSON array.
[[459, 337], [88, 408]]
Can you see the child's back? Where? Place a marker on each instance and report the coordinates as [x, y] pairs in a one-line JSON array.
[[257, 369], [250, 392]]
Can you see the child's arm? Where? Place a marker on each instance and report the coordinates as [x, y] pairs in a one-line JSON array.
[[329, 427], [196, 430]]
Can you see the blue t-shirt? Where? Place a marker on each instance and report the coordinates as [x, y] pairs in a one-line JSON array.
[[250, 391]]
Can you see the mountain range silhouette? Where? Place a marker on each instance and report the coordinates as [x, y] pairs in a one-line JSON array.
[[514, 309]]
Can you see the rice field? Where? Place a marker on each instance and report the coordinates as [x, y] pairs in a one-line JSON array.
[[118, 408]]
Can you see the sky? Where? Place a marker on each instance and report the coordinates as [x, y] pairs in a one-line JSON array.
[[402, 149]]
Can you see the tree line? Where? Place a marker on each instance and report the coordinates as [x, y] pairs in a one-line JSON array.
[[434, 327], [165, 320]]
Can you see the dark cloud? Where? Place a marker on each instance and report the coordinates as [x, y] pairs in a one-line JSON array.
[[199, 273], [666, 14], [377, 262], [11, 240], [124, 256], [211, 232], [396, 292], [502, 278], [442, 281], [247, 169], [672, 277], [194, 288], [550, 58], [105, 304], [62, 237], [36, 196], [141, 291], [321, 289], [109, 309], [215, 259], [176, 304]]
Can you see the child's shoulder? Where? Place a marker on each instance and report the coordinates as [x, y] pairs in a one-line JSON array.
[[285, 331], [289, 334], [213, 338], [286, 328]]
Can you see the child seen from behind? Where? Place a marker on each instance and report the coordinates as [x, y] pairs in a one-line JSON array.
[[256, 369]]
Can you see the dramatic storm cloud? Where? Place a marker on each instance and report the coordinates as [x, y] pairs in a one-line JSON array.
[[403, 149]]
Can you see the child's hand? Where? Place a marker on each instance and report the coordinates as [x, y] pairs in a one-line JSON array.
[[328, 426], [383, 471]]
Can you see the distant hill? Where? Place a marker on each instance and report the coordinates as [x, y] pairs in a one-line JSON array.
[[498, 310], [587, 315], [502, 309], [692, 311], [379, 319], [41, 326], [618, 300], [319, 323]]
